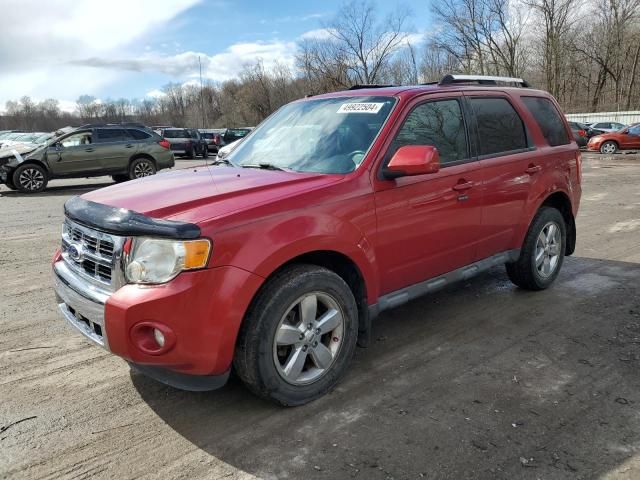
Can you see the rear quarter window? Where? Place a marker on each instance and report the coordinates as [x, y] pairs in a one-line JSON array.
[[138, 134], [548, 119], [500, 128]]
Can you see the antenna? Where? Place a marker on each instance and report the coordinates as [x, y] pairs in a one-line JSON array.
[[201, 95]]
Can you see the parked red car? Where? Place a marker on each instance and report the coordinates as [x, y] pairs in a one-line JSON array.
[[275, 260], [626, 139]]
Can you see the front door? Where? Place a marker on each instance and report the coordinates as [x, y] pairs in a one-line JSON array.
[[631, 139], [427, 224], [74, 154]]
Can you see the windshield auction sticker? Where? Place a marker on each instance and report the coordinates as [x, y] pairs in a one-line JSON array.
[[360, 107]]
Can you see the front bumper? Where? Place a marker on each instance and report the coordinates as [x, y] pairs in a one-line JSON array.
[[203, 310]]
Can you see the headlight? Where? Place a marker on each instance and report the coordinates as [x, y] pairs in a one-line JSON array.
[[153, 260]]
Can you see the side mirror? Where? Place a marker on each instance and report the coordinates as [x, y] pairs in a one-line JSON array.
[[413, 160]]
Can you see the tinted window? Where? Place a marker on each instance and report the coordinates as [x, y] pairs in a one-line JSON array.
[[138, 134], [602, 125], [234, 134], [500, 128], [176, 134], [635, 130], [207, 135], [438, 123], [110, 135], [548, 120]]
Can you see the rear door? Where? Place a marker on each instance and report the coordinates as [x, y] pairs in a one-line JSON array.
[[519, 163], [428, 224], [114, 147]]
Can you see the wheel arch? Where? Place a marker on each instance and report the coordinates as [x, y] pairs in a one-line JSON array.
[[560, 201], [347, 269], [136, 156]]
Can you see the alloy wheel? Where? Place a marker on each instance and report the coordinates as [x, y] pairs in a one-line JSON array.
[[143, 169], [31, 179], [609, 148], [308, 338], [548, 249]]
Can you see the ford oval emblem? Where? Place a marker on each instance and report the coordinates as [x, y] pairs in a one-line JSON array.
[[75, 252]]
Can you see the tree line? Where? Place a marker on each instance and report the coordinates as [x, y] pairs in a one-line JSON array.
[[584, 52]]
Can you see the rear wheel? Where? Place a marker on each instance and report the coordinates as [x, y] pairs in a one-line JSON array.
[[609, 147], [141, 167], [299, 336], [205, 152], [30, 178], [542, 253]]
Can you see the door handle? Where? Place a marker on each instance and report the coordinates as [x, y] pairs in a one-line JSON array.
[[533, 169], [462, 185], [88, 149], [129, 146]]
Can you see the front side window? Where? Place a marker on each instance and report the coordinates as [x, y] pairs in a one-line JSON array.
[[440, 124], [77, 139], [325, 135], [548, 119], [500, 128]]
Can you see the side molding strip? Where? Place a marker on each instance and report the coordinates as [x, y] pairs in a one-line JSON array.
[[399, 297]]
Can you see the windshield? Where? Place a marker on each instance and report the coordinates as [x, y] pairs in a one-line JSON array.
[[330, 135]]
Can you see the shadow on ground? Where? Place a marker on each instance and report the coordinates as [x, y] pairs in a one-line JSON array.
[[58, 191], [481, 380]]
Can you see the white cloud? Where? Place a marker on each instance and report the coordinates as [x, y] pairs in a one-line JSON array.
[[38, 40], [317, 34], [218, 67], [155, 93]]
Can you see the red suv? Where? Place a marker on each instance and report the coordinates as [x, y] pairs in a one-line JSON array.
[[273, 261]]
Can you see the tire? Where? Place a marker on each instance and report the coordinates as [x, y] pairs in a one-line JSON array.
[[141, 167], [609, 148], [205, 152], [120, 178], [268, 369], [9, 184], [189, 154], [545, 244], [30, 178]]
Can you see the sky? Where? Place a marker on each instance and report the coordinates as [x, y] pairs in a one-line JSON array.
[[63, 49]]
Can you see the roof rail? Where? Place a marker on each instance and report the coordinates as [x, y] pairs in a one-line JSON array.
[[123, 124], [371, 85], [482, 80]]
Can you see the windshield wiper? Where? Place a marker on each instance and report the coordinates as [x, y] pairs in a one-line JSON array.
[[225, 161], [265, 166]]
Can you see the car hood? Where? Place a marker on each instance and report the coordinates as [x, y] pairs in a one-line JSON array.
[[206, 192], [21, 148]]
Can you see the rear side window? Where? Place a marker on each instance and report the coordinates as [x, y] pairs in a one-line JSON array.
[[500, 128], [138, 134], [437, 123], [110, 135], [548, 120]]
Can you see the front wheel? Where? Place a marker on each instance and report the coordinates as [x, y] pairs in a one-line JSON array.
[[609, 148], [542, 252], [299, 336], [30, 178], [205, 152], [141, 167]]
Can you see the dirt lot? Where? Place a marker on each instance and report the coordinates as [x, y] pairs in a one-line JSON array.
[[479, 381]]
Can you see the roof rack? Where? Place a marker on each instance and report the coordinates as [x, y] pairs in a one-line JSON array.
[[371, 85], [481, 80], [123, 124]]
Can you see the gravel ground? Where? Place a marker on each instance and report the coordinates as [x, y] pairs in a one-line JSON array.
[[481, 380]]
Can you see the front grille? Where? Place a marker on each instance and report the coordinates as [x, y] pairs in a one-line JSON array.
[[90, 252]]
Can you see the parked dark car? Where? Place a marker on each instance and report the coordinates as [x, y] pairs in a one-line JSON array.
[[186, 142], [579, 133], [212, 137], [90, 151]]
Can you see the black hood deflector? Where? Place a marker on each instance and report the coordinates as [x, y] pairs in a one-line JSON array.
[[121, 221]]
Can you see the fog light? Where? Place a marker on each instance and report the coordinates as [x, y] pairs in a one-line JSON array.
[[159, 336]]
